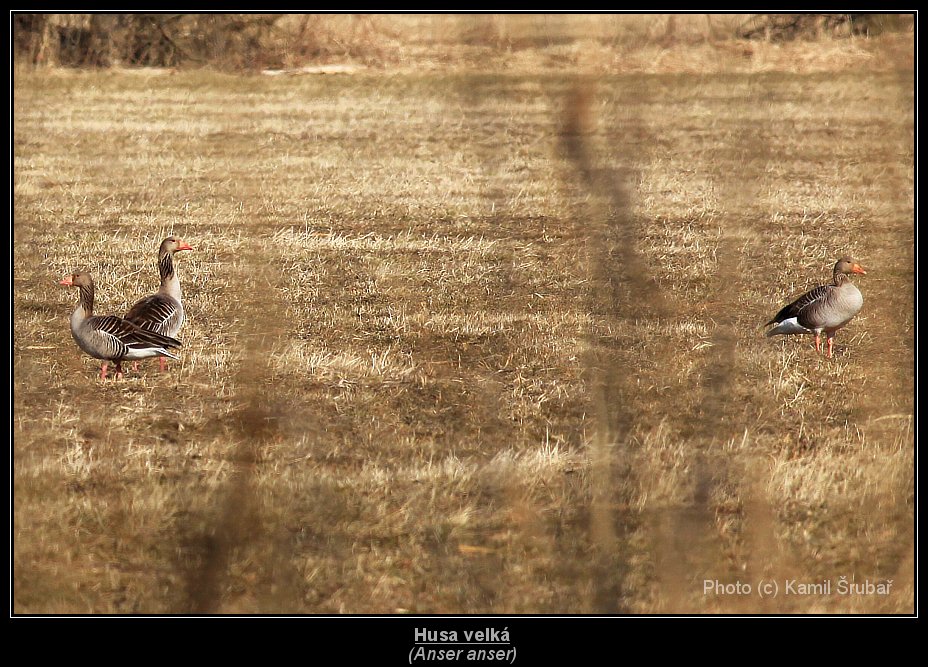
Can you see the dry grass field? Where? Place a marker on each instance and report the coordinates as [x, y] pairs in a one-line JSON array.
[[465, 341]]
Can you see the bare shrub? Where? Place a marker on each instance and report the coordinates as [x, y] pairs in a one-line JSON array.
[[788, 27]]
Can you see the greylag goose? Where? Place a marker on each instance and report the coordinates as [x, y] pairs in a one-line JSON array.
[[108, 337], [163, 311], [826, 308]]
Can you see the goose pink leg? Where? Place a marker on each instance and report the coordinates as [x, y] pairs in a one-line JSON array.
[[103, 371]]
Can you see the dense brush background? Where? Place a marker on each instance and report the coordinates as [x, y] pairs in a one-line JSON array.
[[474, 312]]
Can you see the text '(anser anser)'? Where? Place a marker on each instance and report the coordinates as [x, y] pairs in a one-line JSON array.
[[163, 311], [826, 308], [108, 337]]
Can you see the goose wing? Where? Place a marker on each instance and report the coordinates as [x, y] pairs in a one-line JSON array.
[[796, 308], [158, 313], [128, 333]]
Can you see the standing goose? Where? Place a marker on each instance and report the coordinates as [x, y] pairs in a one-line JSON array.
[[108, 337], [163, 311], [826, 308]]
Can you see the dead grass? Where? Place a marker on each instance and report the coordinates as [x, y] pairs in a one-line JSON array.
[[418, 376]]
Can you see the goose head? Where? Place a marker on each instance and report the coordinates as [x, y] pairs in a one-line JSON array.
[[173, 244], [847, 266]]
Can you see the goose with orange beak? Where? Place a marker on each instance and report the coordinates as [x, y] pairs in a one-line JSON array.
[[108, 337], [825, 309], [163, 311]]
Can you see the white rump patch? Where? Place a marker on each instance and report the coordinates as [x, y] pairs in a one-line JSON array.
[[790, 326], [145, 352]]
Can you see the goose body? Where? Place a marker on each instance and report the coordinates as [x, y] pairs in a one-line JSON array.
[[163, 311], [826, 308], [108, 337]]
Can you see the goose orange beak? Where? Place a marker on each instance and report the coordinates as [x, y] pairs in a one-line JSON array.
[[182, 245], [857, 268], [67, 281]]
